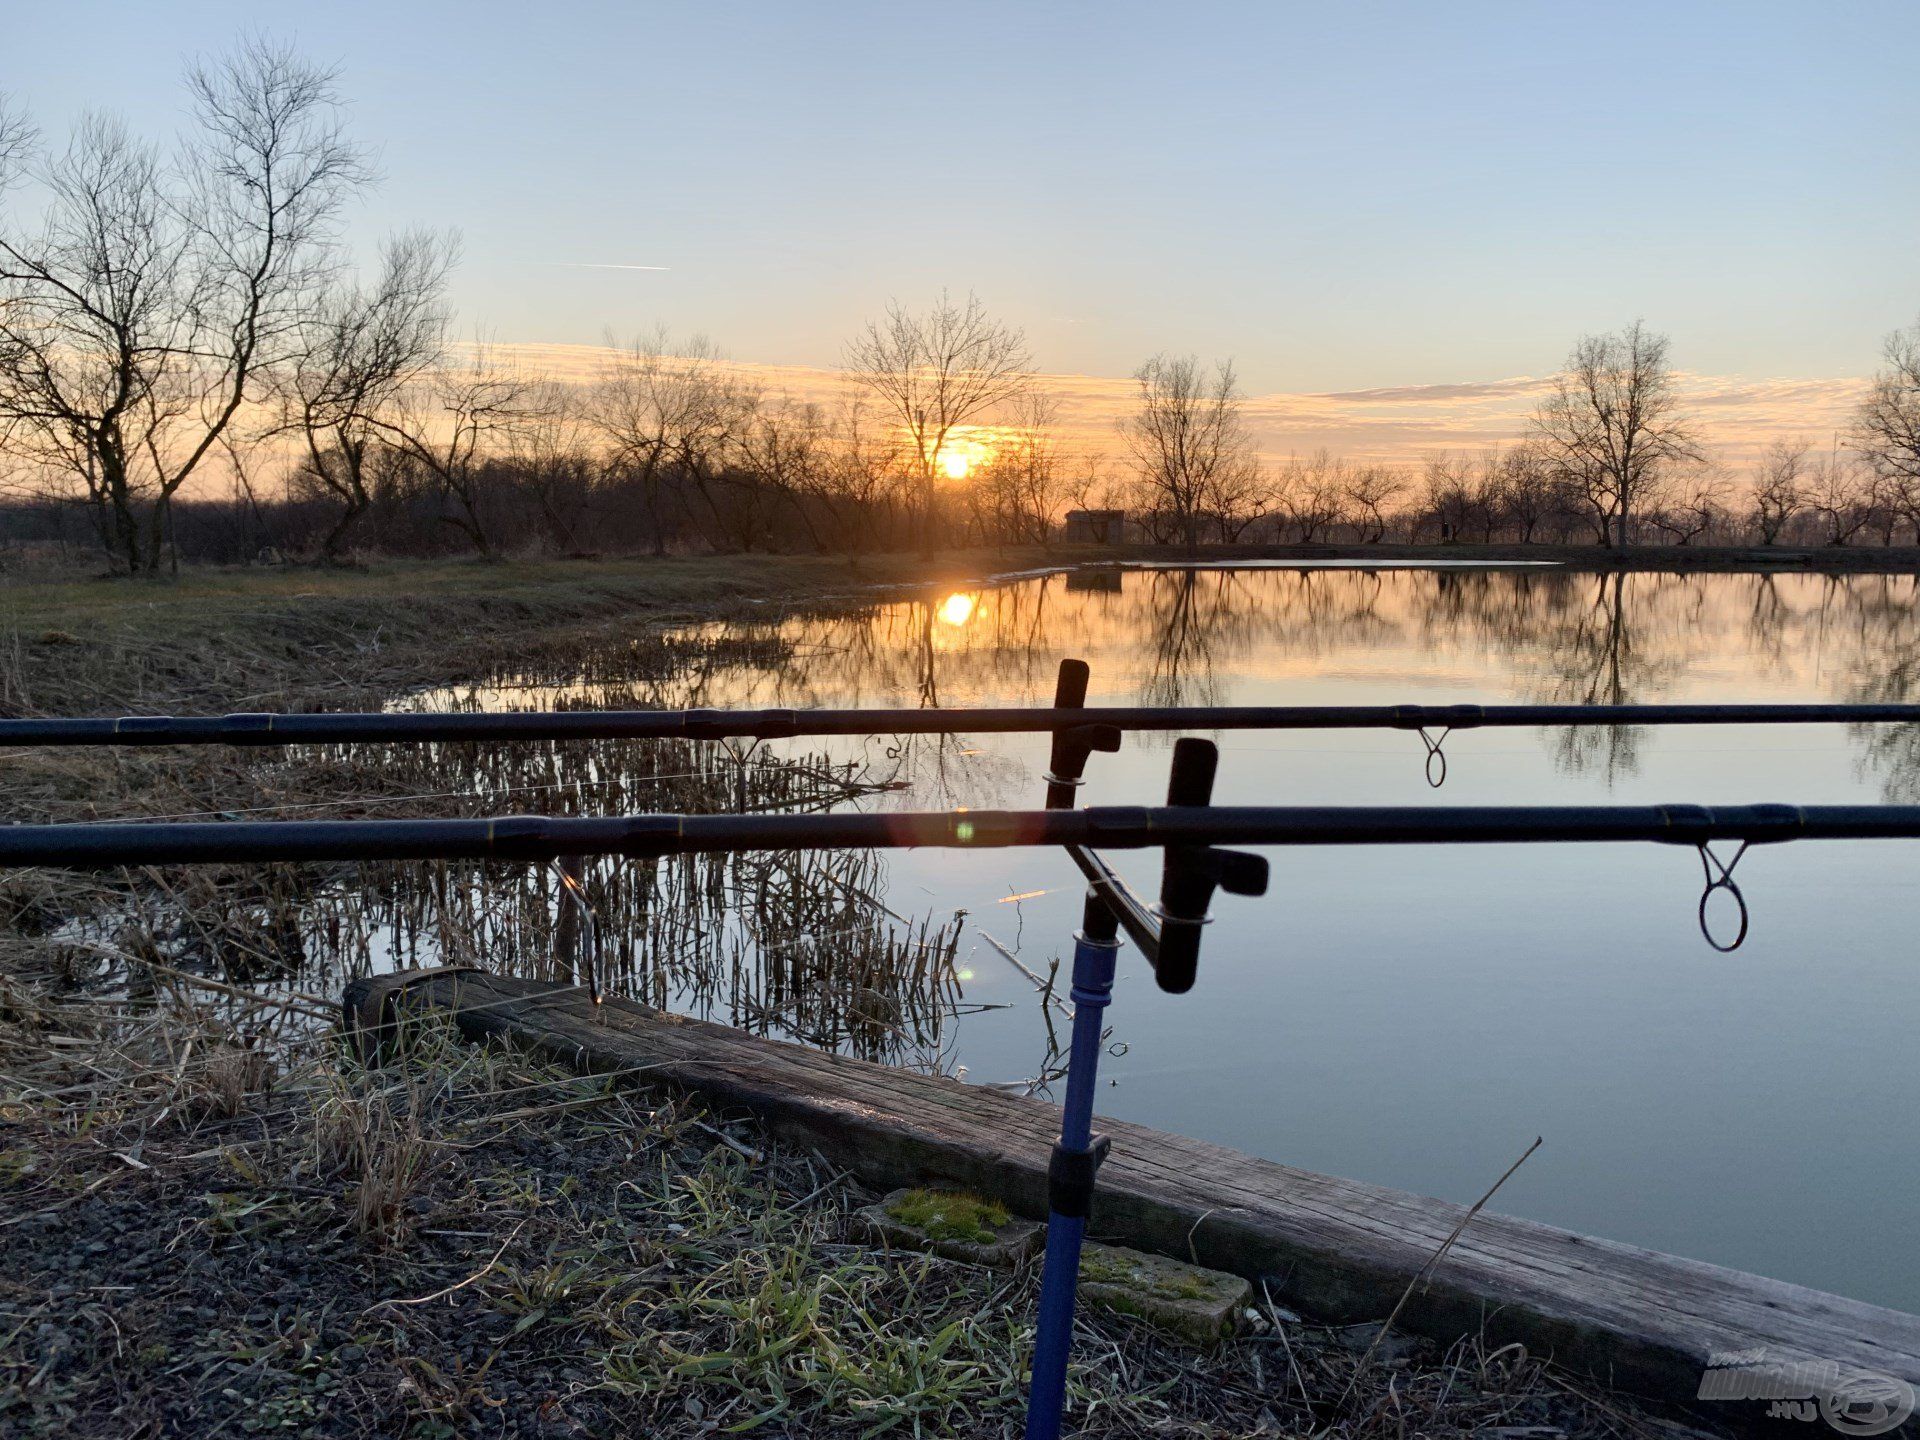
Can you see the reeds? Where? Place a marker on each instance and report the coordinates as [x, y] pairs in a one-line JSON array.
[[798, 945]]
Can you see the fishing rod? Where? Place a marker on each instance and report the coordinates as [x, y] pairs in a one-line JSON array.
[[258, 730], [97, 844]]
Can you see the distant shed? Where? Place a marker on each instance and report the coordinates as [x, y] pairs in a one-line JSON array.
[[1094, 527]]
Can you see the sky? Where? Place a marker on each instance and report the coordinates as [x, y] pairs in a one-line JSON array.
[[1395, 218]]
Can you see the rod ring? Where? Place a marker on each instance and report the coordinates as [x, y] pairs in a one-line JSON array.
[[1709, 862], [1436, 756]]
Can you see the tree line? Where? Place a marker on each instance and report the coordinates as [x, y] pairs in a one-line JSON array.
[[190, 364], [1610, 458]]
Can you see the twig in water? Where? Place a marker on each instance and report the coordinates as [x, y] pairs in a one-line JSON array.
[[1039, 984]]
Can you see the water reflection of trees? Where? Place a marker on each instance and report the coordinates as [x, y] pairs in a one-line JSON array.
[[1877, 627], [1190, 623], [1594, 656], [1200, 636]]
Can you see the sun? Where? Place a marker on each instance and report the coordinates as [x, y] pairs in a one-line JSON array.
[[965, 452], [957, 608]]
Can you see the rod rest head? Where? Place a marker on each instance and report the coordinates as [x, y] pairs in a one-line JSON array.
[[1067, 762], [1193, 872]]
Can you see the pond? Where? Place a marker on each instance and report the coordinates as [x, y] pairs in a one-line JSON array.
[[1416, 1016]]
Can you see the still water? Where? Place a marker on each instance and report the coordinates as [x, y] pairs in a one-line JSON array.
[[1415, 1017]]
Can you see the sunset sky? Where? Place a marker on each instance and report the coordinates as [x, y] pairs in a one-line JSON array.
[[1394, 217]]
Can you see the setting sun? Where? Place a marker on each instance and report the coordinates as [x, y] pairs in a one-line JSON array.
[[966, 450]]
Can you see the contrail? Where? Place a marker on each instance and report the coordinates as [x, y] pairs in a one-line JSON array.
[[600, 265]]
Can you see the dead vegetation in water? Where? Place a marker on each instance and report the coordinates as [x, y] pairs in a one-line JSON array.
[[744, 938]]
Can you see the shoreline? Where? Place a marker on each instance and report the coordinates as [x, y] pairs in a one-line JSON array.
[[1338, 1250], [1682, 559], [300, 637]]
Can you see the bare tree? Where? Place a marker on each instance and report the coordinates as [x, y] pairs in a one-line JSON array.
[[453, 427], [1453, 495], [783, 460], [1779, 492], [935, 371], [1188, 440], [1687, 503], [1312, 494], [1887, 430], [1526, 493], [1024, 483], [1487, 493], [1243, 496], [156, 295], [667, 411], [1840, 493], [1614, 421], [362, 349], [551, 454], [17, 140], [1367, 494], [866, 471]]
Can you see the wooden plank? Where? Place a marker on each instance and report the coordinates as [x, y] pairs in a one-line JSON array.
[[1337, 1249]]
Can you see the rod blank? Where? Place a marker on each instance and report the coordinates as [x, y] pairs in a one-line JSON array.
[[534, 837], [378, 728]]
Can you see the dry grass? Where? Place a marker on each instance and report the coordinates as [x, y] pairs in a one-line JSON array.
[[470, 1243], [362, 1137]]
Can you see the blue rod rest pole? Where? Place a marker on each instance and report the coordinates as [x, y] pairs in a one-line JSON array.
[[1070, 1176]]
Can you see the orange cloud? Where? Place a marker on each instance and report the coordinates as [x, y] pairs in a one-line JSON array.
[[1735, 415]]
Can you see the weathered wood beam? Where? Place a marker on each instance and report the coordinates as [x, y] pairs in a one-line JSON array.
[[1338, 1249]]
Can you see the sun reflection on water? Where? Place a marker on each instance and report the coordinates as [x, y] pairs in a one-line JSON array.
[[957, 608]]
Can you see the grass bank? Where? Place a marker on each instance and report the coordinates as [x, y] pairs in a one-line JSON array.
[[299, 638]]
